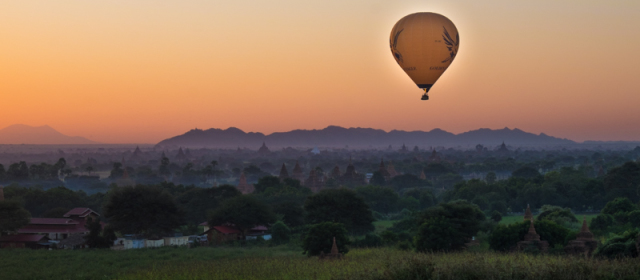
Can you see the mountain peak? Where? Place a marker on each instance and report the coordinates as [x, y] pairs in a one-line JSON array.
[[38, 135]]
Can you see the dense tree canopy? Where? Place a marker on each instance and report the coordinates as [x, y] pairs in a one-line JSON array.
[[339, 206], [244, 212], [142, 210], [319, 238], [12, 216]]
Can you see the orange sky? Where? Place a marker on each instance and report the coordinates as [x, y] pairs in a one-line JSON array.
[[140, 71]]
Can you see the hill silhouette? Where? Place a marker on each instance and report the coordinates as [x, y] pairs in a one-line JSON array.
[[335, 136], [40, 135]]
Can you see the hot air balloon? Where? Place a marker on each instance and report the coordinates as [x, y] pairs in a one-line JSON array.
[[424, 45]]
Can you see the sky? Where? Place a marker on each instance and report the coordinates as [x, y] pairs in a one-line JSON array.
[[141, 71]]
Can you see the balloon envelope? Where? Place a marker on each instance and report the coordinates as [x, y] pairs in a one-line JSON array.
[[424, 45]]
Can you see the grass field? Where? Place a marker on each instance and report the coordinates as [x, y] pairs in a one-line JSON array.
[[506, 220], [285, 262]]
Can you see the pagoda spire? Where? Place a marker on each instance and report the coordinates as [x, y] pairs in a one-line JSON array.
[[527, 214]]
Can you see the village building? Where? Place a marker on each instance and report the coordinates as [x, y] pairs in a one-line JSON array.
[[284, 174], [32, 241], [73, 222], [222, 234], [584, 244], [243, 186], [532, 239]]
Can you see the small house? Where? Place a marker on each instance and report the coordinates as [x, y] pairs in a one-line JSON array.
[[32, 241]]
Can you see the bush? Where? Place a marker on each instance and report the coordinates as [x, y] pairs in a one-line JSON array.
[[280, 233], [600, 223], [319, 238], [619, 246], [389, 237], [496, 216], [634, 218]]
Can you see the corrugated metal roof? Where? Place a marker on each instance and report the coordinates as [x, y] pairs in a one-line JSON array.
[[52, 221], [82, 212]]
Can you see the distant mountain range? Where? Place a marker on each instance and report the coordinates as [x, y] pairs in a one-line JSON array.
[[40, 135], [335, 136]]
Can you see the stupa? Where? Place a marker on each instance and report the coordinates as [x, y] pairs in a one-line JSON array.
[[533, 239], [284, 174], [335, 254], [584, 244]]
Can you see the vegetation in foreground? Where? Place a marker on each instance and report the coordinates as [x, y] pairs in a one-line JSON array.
[[396, 264], [285, 262]]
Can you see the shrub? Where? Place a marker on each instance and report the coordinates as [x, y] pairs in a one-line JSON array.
[[633, 218], [600, 223], [496, 216], [280, 233], [619, 246]]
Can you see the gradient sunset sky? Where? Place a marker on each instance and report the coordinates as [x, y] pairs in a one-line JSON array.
[[139, 71]]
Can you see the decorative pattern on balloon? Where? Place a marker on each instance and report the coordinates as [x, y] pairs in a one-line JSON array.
[[451, 44], [394, 48]]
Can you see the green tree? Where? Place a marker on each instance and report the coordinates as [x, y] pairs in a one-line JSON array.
[[377, 179], [117, 171], [557, 214], [280, 233], [339, 206], [143, 210], [292, 213], [267, 182], [466, 218], [12, 216], [163, 169], [97, 238], [526, 172], [490, 178], [620, 246], [380, 199], [18, 171], [197, 202], [319, 238], [244, 212], [620, 204], [496, 216], [439, 234]]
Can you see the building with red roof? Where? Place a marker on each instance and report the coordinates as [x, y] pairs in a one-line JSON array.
[[61, 228]]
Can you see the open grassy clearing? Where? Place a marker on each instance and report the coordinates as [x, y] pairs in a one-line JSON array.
[[506, 220]]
